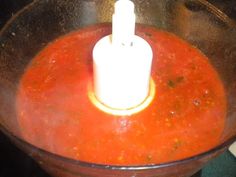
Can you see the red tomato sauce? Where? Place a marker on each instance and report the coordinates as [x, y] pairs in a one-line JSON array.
[[185, 118]]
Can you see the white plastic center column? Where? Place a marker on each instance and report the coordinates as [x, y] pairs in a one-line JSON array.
[[122, 62]]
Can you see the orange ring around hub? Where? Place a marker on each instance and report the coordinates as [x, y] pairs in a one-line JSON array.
[[122, 112]]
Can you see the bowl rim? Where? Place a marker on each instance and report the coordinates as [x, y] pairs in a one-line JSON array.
[[212, 9]]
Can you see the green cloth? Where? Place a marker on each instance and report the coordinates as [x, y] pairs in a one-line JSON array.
[[222, 166]]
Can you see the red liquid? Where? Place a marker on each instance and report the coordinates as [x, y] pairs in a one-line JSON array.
[[186, 117]]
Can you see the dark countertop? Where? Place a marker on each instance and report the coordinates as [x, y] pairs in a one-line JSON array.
[[13, 162]]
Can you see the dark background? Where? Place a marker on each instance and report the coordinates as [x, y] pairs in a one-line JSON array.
[[15, 163]]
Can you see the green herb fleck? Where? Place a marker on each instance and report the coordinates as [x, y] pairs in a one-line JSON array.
[[172, 83], [149, 157], [177, 144]]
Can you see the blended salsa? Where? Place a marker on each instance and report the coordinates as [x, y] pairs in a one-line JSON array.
[[186, 117]]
